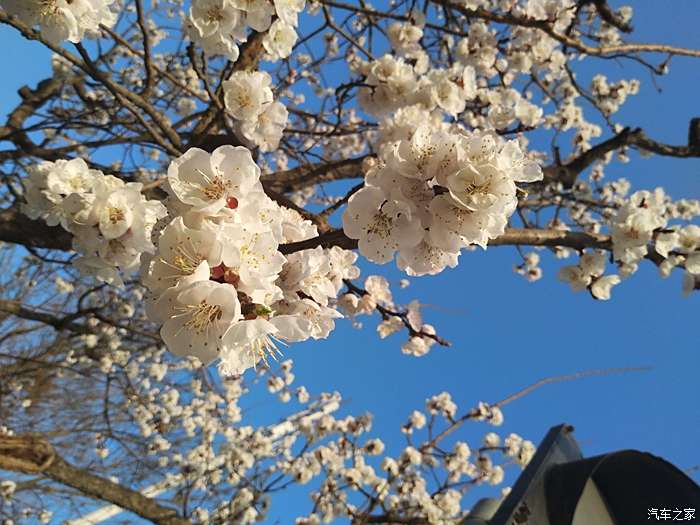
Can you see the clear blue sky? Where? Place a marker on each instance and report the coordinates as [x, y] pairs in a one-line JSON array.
[[508, 333]]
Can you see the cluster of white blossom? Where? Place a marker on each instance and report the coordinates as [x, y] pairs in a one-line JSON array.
[[249, 99], [434, 191], [377, 296], [220, 285], [610, 96], [588, 275], [224, 287], [530, 268], [642, 224], [635, 223], [198, 435], [680, 245], [218, 26], [61, 20], [111, 221], [392, 83], [402, 483]]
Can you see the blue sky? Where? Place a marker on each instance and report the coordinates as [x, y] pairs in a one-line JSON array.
[[508, 333]]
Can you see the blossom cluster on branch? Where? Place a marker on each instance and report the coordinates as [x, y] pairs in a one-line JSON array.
[[248, 97], [218, 26], [435, 192], [220, 166], [111, 221], [221, 287], [60, 20]]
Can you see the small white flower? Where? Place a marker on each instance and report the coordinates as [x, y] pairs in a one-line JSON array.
[[247, 94], [280, 40], [207, 182], [600, 289], [197, 318], [382, 226]]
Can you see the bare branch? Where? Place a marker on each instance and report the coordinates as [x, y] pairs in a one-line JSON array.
[[634, 137], [312, 174], [29, 454], [611, 17], [17, 228], [511, 237], [58, 323], [546, 27]]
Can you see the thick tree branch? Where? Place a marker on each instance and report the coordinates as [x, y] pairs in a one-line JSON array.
[[608, 15], [312, 174], [567, 172], [28, 454], [17, 228], [511, 237], [32, 100], [59, 323], [546, 27]]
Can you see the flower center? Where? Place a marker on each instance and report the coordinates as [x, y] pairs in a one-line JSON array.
[[48, 7], [115, 215], [202, 316], [215, 14], [244, 99], [264, 347], [185, 261], [76, 183], [381, 225], [422, 155], [473, 189], [215, 187], [461, 215]]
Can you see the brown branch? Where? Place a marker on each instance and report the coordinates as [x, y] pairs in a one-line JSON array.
[[169, 140], [29, 454], [511, 237], [567, 172], [310, 174], [546, 27], [250, 54], [571, 377], [25, 454], [330, 210], [611, 17], [148, 64], [32, 100], [58, 323], [130, 100], [394, 519], [386, 313], [331, 238], [17, 228], [641, 141]]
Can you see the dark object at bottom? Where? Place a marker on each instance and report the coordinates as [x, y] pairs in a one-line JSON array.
[[620, 488], [629, 483]]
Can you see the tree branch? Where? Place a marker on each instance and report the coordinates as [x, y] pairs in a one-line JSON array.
[[59, 323], [511, 237], [568, 172], [17, 228], [611, 17], [28, 454], [546, 27], [311, 174]]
